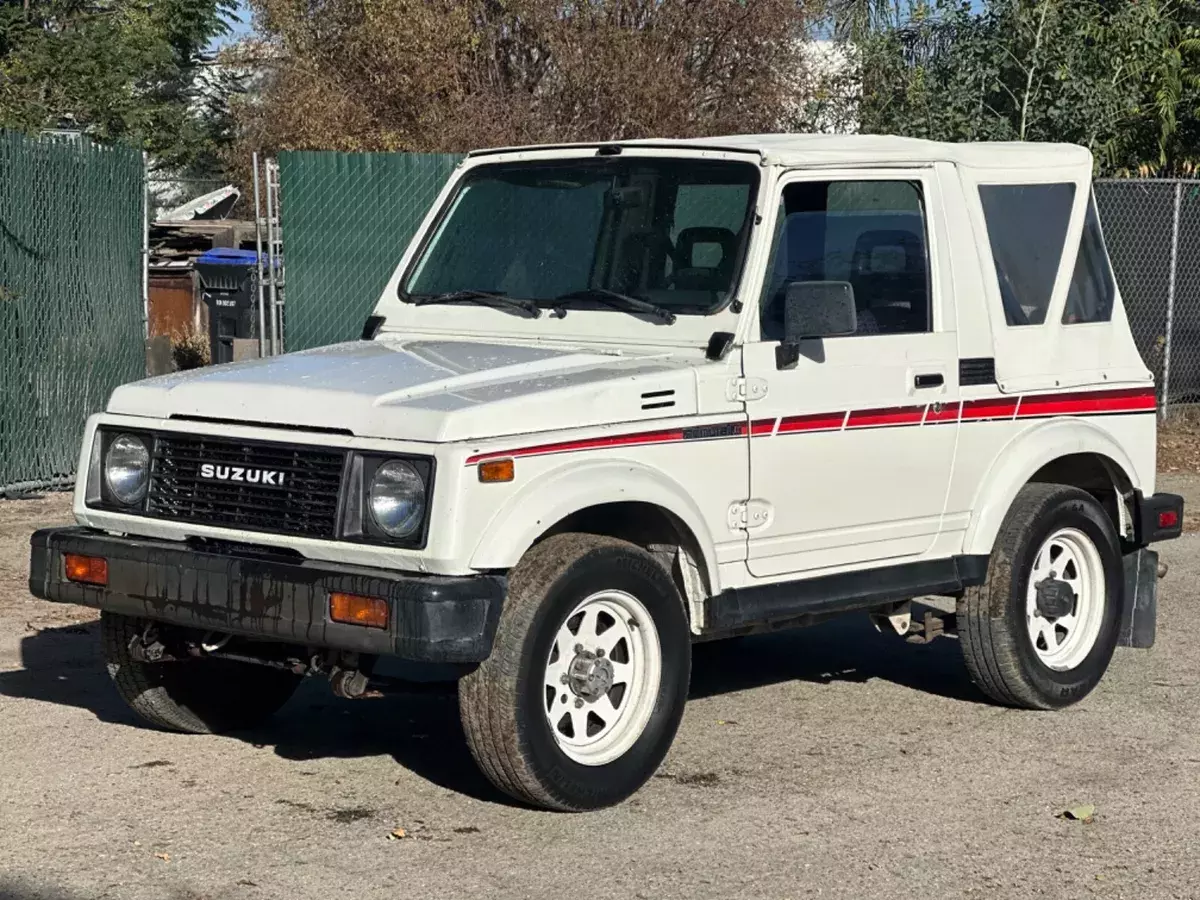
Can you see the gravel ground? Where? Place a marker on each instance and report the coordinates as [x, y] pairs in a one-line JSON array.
[[832, 762]]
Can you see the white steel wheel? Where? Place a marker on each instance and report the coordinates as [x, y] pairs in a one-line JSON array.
[[602, 677], [1063, 641]]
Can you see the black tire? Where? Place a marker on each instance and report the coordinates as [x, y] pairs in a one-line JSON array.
[[502, 702], [999, 654], [195, 696]]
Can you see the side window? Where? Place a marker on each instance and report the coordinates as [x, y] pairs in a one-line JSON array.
[[870, 234], [1093, 291], [1027, 228]]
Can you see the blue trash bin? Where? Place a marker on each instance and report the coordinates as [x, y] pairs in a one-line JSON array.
[[229, 288]]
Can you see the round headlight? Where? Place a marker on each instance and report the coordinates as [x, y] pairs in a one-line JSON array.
[[127, 469], [397, 499]]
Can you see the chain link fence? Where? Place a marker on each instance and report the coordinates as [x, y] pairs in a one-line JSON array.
[[1152, 229], [346, 219], [71, 297]]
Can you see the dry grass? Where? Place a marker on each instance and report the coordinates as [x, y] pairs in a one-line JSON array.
[[190, 349], [1179, 441]]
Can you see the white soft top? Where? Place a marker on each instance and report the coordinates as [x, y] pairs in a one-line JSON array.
[[807, 149]]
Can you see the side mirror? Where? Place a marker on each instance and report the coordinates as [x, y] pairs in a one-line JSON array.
[[814, 309]]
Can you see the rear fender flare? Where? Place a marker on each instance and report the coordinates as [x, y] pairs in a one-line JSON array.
[[1020, 459]]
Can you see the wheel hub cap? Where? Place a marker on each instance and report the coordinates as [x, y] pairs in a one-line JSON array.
[[1054, 598], [591, 676]]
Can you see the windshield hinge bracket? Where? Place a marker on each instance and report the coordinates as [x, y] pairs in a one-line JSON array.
[[749, 515], [746, 389]]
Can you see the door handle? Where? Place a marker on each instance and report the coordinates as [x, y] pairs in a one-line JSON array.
[[932, 380]]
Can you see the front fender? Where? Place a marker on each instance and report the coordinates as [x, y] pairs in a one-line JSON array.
[[569, 489], [1021, 458]]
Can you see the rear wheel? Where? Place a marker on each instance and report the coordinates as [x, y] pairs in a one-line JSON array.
[[196, 696], [587, 679], [1040, 632]]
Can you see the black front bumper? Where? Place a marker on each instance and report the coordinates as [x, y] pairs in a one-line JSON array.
[[433, 618]]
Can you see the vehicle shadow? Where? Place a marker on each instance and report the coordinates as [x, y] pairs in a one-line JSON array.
[[846, 649], [422, 732]]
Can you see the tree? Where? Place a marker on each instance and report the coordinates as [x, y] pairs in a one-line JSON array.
[[455, 74], [1116, 76], [117, 70]]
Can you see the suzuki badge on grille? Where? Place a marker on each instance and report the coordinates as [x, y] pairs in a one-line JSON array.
[[269, 477]]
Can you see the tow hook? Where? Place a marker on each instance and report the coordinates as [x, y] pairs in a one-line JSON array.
[[147, 648], [351, 684]]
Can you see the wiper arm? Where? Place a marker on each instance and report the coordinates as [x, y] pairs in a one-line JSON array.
[[622, 302], [484, 298]]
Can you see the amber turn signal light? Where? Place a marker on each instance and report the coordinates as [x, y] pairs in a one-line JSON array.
[[496, 470], [352, 609], [86, 569]]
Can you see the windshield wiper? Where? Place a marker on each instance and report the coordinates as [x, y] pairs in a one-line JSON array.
[[484, 298], [622, 302]]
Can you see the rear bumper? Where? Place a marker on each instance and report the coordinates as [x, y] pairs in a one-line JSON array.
[[433, 618], [1158, 517]]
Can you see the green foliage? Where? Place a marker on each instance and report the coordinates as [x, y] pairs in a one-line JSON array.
[[118, 70], [1121, 77]]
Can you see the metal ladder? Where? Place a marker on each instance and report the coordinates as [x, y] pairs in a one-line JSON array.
[[268, 237]]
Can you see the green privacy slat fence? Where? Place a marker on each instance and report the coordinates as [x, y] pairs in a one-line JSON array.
[[346, 219], [71, 309]]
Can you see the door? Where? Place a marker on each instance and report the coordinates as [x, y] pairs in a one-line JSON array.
[[851, 450]]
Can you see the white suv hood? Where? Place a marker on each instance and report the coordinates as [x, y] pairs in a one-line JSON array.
[[420, 390]]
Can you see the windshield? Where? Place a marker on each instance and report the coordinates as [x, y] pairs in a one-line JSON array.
[[668, 231]]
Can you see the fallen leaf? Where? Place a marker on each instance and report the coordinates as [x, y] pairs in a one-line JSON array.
[[1085, 813], [726, 722], [165, 857], [397, 834]]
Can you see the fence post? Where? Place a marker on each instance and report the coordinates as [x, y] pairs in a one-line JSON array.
[[145, 249], [258, 246], [1171, 298]]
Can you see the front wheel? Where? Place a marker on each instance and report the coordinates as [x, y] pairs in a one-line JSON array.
[[587, 679], [1041, 631]]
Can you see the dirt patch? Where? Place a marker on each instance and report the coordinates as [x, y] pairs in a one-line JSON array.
[[692, 779], [1179, 442], [20, 613]]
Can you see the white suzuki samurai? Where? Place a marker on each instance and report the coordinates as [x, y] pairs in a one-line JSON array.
[[619, 398]]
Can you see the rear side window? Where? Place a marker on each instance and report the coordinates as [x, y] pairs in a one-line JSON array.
[[1027, 229], [1093, 291]]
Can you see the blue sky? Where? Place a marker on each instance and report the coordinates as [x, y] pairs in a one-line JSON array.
[[238, 30]]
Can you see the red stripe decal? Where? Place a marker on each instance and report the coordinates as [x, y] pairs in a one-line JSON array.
[[901, 415], [1081, 404], [947, 413], [992, 408], [1043, 405], [815, 422], [616, 440]]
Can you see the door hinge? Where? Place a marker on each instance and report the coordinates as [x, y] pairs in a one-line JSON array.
[[750, 514], [746, 389]]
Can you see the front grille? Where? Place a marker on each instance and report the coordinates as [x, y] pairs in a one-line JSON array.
[[304, 505]]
